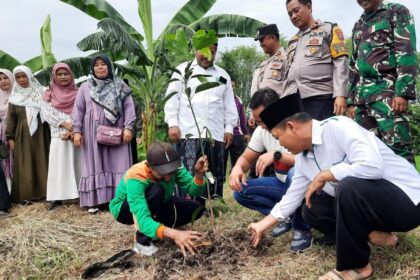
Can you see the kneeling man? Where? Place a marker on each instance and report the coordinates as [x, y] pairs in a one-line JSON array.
[[356, 188]]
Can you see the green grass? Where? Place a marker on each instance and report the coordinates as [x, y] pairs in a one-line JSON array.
[[62, 243]]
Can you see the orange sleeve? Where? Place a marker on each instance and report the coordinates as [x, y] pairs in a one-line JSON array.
[[159, 231], [198, 182]]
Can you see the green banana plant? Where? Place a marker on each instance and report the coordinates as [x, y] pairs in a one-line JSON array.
[[37, 63], [149, 56]]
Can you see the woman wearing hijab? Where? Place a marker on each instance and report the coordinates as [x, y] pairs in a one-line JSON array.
[[103, 99], [6, 83], [28, 136], [64, 160]]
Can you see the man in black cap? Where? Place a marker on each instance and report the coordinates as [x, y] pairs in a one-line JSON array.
[[262, 193], [357, 190], [270, 73], [145, 198]]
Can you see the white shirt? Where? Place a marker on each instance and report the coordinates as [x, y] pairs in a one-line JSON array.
[[54, 118], [262, 141], [347, 150], [214, 108]]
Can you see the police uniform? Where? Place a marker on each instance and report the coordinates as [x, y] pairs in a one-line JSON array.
[[383, 66], [317, 68], [271, 71]]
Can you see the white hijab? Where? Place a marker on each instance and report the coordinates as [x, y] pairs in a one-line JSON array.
[[30, 97], [4, 95]]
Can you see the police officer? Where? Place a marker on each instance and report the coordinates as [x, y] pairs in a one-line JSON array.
[[270, 72], [317, 63], [383, 73]]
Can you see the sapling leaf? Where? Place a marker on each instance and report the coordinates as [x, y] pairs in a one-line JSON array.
[[206, 86], [188, 136], [169, 96], [210, 177], [188, 92]]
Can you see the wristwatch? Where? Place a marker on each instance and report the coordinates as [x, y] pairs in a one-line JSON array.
[[277, 155]]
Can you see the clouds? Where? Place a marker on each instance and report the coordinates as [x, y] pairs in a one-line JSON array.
[[21, 20]]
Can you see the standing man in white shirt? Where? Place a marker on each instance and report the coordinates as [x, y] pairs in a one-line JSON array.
[[214, 108], [356, 188]]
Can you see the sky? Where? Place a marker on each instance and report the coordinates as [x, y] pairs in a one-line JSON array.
[[21, 20]]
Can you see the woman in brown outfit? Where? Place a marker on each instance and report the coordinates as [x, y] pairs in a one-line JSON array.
[[28, 136]]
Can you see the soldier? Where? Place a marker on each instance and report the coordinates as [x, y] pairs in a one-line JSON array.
[[317, 63], [383, 71]]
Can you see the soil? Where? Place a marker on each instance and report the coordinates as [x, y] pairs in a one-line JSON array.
[[222, 251]]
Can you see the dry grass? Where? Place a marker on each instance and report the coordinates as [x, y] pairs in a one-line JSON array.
[[36, 244]]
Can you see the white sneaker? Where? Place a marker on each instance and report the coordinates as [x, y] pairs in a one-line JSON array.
[[93, 210], [144, 249]]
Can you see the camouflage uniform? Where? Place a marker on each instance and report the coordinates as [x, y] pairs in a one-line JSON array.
[[383, 66]]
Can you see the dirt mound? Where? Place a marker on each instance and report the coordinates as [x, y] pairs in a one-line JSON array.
[[218, 251]]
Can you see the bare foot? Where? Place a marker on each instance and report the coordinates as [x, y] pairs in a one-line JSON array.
[[353, 274], [383, 239]]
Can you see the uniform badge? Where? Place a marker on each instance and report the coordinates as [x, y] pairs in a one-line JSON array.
[[339, 33], [275, 73], [275, 65], [314, 41], [313, 50]]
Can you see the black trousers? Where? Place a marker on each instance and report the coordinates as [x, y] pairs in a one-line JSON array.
[[190, 151], [173, 213], [320, 107], [5, 201], [133, 145], [360, 207], [235, 150]]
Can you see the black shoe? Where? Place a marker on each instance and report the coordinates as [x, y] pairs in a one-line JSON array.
[[55, 204], [26, 202], [4, 213], [325, 241]]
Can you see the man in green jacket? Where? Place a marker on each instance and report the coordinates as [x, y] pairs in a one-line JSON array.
[[145, 198], [383, 73]]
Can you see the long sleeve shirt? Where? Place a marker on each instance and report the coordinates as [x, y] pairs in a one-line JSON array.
[[214, 108], [317, 62], [54, 118], [347, 150], [133, 187], [85, 115], [383, 63]]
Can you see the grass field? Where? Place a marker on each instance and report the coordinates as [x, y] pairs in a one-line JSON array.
[[37, 244], [418, 163]]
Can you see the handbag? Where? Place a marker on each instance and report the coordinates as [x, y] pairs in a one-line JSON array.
[[107, 135]]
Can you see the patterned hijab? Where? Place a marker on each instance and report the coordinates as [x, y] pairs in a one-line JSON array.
[[61, 97], [4, 95], [109, 92], [30, 97]]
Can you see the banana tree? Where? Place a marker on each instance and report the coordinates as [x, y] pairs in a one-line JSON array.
[[149, 58], [37, 63]]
